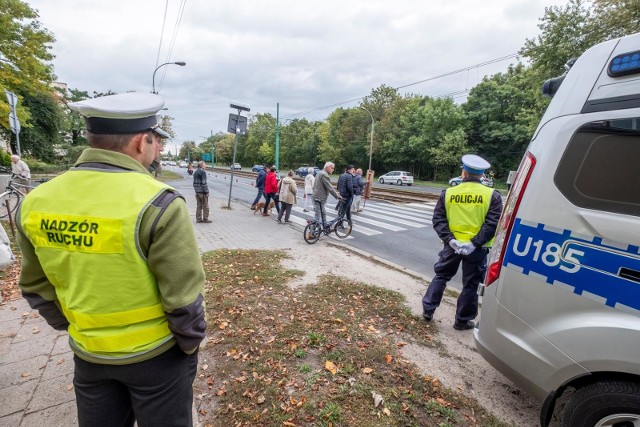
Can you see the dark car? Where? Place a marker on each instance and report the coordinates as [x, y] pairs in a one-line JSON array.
[[304, 171], [257, 168]]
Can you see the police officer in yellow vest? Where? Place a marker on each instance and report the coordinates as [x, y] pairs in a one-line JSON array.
[[465, 218], [110, 255]]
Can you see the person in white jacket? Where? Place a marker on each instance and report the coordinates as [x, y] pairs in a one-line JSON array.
[[309, 180]]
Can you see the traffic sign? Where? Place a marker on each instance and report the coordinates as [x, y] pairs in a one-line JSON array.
[[13, 99], [15, 123]]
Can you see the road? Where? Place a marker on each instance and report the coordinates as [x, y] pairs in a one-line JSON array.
[[401, 234]]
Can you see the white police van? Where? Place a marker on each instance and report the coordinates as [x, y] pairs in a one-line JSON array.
[[561, 300]]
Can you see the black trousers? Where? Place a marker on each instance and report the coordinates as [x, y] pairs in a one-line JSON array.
[[473, 268], [155, 392], [268, 197]]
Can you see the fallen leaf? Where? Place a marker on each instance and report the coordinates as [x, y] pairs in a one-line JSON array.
[[329, 366], [261, 399], [367, 370], [205, 367], [388, 358], [377, 399], [401, 344], [223, 325], [60, 361], [387, 412], [69, 387], [25, 374]]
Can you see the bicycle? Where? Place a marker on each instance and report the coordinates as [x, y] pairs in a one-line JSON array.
[[339, 225], [13, 196]]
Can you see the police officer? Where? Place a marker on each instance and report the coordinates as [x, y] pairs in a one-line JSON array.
[[109, 255], [465, 218]]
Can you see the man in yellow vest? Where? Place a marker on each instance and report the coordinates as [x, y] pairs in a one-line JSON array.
[[465, 218], [110, 255]]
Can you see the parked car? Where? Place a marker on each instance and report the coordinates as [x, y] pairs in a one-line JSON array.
[[485, 180], [396, 177], [236, 166], [257, 168], [172, 163], [303, 171], [183, 164]]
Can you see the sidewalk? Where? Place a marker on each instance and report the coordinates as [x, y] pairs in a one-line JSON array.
[[36, 364]]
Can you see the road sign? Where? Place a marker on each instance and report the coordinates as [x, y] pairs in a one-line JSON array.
[[15, 123], [13, 99], [237, 121], [206, 157]]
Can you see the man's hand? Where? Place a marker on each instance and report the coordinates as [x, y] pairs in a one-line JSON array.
[[455, 245], [467, 249]]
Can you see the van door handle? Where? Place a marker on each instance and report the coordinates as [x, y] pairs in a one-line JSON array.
[[627, 273]]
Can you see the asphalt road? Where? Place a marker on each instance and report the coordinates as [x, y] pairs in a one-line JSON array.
[[408, 241]]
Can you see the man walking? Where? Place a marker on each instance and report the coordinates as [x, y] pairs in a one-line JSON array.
[[22, 173], [346, 190], [321, 190], [465, 218], [358, 189], [115, 263], [202, 193], [260, 179]]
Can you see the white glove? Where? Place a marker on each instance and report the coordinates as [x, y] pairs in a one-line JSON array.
[[467, 249], [455, 245]]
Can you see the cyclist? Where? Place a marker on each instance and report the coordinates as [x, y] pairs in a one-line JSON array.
[[321, 189], [23, 175]]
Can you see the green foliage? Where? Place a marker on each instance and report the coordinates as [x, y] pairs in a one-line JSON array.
[[26, 45], [73, 153], [44, 131], [5, 158]]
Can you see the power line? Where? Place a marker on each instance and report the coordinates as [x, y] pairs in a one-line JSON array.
[[174, 37], [447, 74], [164, 20]]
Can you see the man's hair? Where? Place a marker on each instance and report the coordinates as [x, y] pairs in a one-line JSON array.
[[290, 173], [15, 157], [310, 170], [329, 165], [201, 164], [273, 169], [359, 171], [112, 142]]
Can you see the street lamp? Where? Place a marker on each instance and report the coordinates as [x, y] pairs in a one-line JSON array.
[[372, 128], [153, 83]]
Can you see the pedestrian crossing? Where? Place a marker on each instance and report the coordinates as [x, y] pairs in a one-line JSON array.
[[377, 217]]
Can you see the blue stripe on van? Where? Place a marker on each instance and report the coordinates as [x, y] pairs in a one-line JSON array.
[[586, 264]]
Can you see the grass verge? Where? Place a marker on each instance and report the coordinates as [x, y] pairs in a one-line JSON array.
[[327, 354]]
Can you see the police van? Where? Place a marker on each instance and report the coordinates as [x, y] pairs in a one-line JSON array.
[[561, 299]]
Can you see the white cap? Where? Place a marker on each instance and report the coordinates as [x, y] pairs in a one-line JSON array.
[[475, 165], [124, 113]]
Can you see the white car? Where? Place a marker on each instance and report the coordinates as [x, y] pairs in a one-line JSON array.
[[236, 166], [183, 164], [396, 177]]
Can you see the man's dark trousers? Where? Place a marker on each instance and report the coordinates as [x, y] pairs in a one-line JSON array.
[[473, 268], [155, 392], [259, 196], [345, 207]]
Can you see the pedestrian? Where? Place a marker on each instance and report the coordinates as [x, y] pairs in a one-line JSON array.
[[465, 218], [270, 190], [202, 193], [309, 180], [287, 196], [346, 190], [262, 175], [115, 263], [358, 190], [321, 190], [22, 173]]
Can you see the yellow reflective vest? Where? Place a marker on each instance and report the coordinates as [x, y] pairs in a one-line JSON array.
[[467, 205], [85, 236]]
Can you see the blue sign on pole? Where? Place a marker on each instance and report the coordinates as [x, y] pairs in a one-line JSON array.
[[207, 157]]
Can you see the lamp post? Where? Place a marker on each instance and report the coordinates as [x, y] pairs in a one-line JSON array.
[[153, 81], [372, 129]]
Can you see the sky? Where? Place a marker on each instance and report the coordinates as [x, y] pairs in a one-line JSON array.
[[307, 56]]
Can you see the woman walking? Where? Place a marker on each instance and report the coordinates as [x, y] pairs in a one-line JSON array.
[[270, 190], [288, 193], [309, 180]]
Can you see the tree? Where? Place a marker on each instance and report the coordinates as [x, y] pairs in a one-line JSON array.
[[26, 46], [74, 122], [45, 130]]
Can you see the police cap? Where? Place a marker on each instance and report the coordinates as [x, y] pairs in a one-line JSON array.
[[124, 113], [475, 165]]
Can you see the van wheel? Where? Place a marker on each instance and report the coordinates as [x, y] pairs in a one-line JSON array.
[[604, 404]]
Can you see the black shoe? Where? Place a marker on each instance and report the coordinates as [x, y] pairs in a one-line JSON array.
[[208, 221], [461, 326], [279, 220], [427, 316]]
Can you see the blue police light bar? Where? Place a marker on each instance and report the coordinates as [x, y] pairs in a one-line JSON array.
[[625, 64]]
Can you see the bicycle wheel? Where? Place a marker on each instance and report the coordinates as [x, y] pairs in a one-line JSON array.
[[13, 199], [343, 228], [311, 233]]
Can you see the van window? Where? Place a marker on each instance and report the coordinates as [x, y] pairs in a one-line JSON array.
[[600, 169]]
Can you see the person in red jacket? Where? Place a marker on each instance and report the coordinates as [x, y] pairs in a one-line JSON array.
[[270, 190]]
